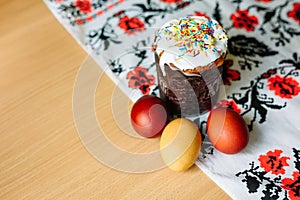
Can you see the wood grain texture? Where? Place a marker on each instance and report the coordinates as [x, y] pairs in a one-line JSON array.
[[41, 155]]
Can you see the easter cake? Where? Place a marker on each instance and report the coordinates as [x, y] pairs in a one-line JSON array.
[[189, 53]]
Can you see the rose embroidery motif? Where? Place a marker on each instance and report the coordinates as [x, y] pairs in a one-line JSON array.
[[242, 19], [292, 185], [228, 74], [131, 25], [284, 87], [295, 13], [84, 6], [272, 162], [140, 79]]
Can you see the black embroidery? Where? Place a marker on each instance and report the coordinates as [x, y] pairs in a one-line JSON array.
[[248, 48], [297, 158], [265, 178], [253, 98]]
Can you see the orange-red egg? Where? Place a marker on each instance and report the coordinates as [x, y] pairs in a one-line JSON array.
[[227, 130], [149, 116]]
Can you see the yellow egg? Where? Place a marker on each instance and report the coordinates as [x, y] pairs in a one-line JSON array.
[[180, 144]]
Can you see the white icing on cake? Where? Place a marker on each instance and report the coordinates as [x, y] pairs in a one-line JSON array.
[[190, 42]]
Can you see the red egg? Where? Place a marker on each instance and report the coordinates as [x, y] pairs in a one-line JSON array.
[[227, 130], [149, 116]]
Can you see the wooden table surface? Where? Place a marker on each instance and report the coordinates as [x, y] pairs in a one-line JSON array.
[[41, 154]]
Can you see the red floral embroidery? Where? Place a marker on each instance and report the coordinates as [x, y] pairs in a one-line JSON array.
[[90, 18], [171, 1], [268, 74], [242, 19], [119, 13], [295, 13], [197, 13], [292, 185], [183, 4], [131, 25], [284, 87], [272, 162], [229, 104], [265, 1], [228, 74], [139, 78], [79, 21], [84, 6]]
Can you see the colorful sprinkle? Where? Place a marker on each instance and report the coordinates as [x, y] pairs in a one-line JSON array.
[[193, 36]]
